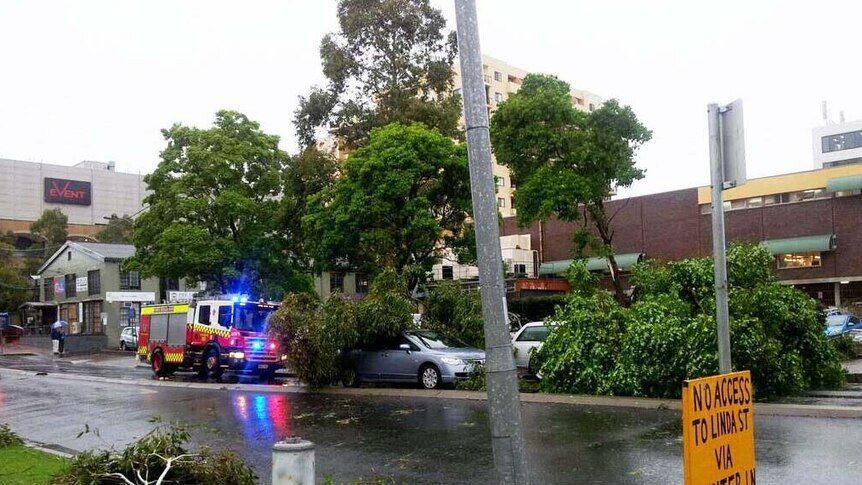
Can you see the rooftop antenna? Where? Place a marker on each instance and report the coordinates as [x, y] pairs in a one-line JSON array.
[[841, 116], [825, 111]]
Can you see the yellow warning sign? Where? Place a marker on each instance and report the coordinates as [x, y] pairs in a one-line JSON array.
[[718, 430]]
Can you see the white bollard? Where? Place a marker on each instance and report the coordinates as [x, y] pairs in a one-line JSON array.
[[293, 462]]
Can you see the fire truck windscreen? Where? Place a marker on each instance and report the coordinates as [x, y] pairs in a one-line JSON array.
[[252, 318]]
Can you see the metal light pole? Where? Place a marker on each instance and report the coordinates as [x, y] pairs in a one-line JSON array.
[[504, 402], [727, 164]]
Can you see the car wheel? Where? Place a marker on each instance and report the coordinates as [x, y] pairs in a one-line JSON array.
[[212, 364], [349, 377], [123, 345], [429, 376], [160, 367]]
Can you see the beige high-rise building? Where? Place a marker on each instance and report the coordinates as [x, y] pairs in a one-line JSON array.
[[501, 80]]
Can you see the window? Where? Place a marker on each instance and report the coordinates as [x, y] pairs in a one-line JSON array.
[[501, 181], [69, 256], [94, 282], [799, 260], [92, 321], [534, 334], [842, 141], [501, 202], [456, 92], [498, 97], [129, 313], [336, 282], [848, 193], [204, 314], [448, 273], [754, 202], [498, 76], [71, 291], [48, 287], [592, 107], [770, 199], [224, 314], [130, 280], [520, 269], [173, 284], [840, 163]]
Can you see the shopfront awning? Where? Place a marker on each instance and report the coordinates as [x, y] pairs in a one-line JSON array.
[[841, 184], [806, 244], [624, 262]]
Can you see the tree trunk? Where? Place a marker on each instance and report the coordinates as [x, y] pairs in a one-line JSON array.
[[597, 214]]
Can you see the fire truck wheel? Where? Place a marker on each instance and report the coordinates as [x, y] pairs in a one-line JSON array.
[[212, 363], [266, 377], [160, 368]]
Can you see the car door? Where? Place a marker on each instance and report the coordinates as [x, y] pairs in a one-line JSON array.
[[526, 340], [400, 364]]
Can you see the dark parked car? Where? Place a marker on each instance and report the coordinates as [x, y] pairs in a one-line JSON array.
[[12, 334], [419, 356], [840, 324]]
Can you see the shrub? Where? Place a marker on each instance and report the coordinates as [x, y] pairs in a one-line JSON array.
[[455, 312], [843, 344], [8, 437], [668, 334], [314, 333], [142, 462]]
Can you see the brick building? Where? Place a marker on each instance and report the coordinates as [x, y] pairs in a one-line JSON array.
[[811, 221]]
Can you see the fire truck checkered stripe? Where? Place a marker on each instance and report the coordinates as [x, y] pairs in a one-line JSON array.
[[142, 350], [174, 358], [209, 330]]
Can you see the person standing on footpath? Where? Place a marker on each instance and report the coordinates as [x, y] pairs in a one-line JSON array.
[[58, 337]]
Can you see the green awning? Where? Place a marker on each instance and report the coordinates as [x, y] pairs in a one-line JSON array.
[[841, 184], [807, 244], [624, 262]]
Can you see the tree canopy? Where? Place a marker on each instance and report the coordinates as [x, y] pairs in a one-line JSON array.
[[390, 61], [397, 196], [53, 226], [14, 285], [118, 230], [566, 162], [211, 211]]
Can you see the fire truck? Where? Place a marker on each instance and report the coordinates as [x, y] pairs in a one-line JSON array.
[[210, 337]]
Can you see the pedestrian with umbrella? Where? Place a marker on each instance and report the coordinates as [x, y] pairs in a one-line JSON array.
[[58, 336]]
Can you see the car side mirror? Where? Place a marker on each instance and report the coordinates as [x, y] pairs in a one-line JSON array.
[[404, 347]]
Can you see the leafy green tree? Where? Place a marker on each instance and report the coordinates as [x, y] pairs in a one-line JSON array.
[[304, 175], [390, 61], [118, 230], [453, 311], [53, 226], [14, 284], [212, 210], [394, 200], [566, 162]]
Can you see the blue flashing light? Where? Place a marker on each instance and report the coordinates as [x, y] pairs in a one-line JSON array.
[[235, 299], [257, 345], [243, 299]]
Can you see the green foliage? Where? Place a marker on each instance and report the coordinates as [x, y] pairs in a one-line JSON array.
[[149, 456], [315, 333], [8, 437], [118, 230], [14, 284], [452, 311], [212, 210], [476, 382], [387, 64], [668, 333], [565, 161], [845, 346], [53, 226], [395, 198]]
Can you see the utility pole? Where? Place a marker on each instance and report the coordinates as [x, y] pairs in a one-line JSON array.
[[727, 164], [504, 402]]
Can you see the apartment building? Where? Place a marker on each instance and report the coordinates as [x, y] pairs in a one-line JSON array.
[[501, 81], [837, 144]]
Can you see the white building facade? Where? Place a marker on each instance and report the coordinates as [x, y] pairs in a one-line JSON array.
[[837, 144]]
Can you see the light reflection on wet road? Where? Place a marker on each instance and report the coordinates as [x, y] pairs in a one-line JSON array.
[[417, 440]]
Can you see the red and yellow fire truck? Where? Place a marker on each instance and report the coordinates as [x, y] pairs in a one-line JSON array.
[[210, 337]]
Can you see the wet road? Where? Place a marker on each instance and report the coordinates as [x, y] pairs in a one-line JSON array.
[[416, 440]]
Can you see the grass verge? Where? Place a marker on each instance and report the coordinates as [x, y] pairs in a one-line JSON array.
[[20, 465]]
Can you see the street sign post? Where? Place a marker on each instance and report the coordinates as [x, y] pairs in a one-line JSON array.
[[718, 430], [727, 164]]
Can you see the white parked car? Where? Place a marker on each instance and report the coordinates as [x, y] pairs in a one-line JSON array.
[[527, 338]]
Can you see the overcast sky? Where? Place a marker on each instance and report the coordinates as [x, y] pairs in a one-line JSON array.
[[97, 80]]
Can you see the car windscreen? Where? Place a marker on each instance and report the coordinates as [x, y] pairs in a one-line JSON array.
[[252, 318], [836, 321], [434, 340]]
